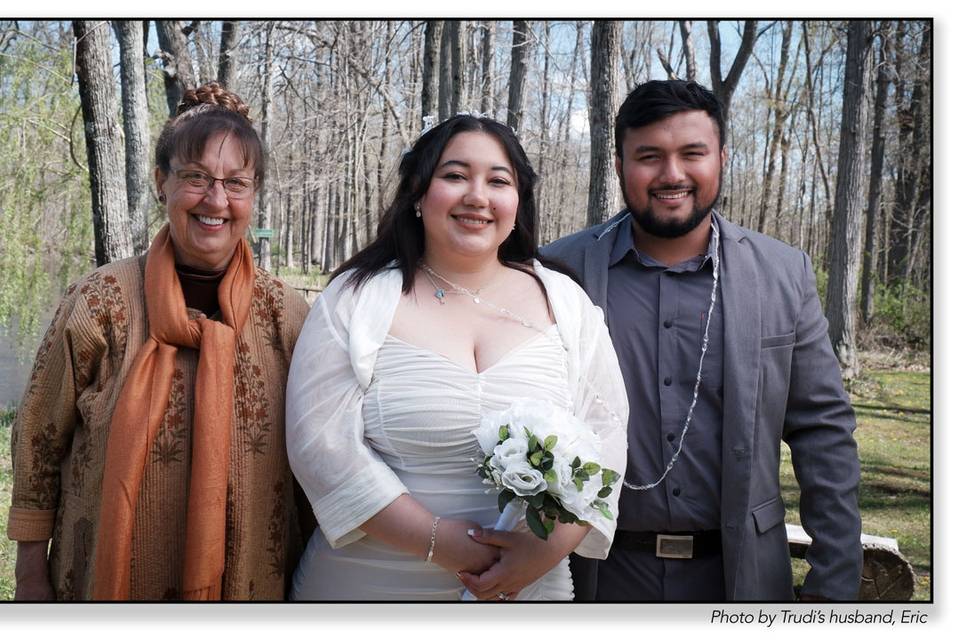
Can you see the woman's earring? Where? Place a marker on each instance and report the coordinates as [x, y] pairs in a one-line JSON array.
[[162, 198], [416, 208]]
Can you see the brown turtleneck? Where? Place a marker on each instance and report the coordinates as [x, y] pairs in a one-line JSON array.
[[200, 288]]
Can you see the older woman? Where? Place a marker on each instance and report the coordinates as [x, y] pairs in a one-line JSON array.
[[444, 317], [149, 445]]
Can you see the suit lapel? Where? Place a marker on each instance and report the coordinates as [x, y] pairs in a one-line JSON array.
[[741, 371], [596, 261]]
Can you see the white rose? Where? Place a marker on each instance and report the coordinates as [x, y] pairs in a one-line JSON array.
[[523, 479], [578, 502], [487, 435], [507, 451]]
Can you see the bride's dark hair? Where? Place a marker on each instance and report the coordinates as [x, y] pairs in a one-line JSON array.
[[400, 232]]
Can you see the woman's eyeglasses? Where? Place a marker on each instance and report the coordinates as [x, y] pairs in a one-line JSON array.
[[195, 181]]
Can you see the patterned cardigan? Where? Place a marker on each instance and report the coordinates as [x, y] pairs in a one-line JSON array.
[[60, 435]]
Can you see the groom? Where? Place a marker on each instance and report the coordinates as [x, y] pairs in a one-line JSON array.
[[701, 517]]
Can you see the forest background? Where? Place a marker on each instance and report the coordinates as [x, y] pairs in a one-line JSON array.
[[829, 134]]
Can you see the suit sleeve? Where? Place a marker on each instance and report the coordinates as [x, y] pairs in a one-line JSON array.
[[818, 427]]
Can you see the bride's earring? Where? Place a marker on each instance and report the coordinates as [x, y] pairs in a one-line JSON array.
[[416, 208]]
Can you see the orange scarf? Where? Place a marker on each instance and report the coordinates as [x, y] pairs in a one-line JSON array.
[[140, 409]]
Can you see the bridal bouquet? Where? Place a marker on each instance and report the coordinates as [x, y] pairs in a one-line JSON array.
[[544, 457]]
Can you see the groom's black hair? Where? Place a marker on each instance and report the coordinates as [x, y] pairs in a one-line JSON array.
[[657, 99]]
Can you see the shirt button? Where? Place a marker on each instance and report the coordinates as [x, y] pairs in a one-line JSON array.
[[667, 324], [670, 437], [676, 491], [668, 381]]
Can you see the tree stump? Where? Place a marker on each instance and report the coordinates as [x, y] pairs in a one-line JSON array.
[[886, 574]]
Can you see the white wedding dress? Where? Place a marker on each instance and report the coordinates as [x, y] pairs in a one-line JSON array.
[[419, 412], [371, 417]]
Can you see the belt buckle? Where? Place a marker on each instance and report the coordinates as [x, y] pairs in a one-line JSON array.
[[679, 547]]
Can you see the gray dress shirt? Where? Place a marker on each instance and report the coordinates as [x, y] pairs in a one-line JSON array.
[[657, 316]]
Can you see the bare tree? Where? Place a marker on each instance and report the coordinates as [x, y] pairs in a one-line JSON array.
[[136, 128], [780, 113], [848, 213], [227, 59], [178, 75], [604, 81], [686, 35], [265, 217], [429, 99], [519, 56], [486, 83], [724, 87], [104, 149], [884, 72]]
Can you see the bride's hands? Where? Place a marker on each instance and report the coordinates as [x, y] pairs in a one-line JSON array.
[[524, 558], [456, 551]]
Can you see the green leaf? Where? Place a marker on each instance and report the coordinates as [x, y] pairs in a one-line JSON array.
[[610, 476], [550, 442], [603, 493], [536, 501], [504, 432], [536, 526], [591, 468], [536, 458], [532, 443], [550, 475], [578, 481], [576, 463], [504, 499]]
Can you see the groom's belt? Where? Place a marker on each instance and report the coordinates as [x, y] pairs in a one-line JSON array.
[[672, 544]]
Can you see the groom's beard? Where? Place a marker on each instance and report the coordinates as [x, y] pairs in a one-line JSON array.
[[671, 228]]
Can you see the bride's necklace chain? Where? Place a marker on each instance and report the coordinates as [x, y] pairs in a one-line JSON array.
[[440, 293], [703, 352]]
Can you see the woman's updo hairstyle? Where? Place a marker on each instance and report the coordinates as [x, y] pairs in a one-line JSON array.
[[203, 112]]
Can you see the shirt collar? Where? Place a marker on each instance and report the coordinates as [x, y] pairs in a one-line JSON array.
[[623, 243]]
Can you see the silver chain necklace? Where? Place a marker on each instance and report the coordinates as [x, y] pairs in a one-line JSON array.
[[703, 352], [440, 293]]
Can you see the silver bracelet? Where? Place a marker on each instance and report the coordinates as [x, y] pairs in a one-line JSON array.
[[433, 539]]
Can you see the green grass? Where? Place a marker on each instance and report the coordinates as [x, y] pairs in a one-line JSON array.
[[895, 483], [8, 548]]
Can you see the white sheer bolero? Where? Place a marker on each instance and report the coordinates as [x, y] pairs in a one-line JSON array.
[[345, 480]]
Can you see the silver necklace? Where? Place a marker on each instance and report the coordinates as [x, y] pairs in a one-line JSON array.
[[703, 352], [440, 293]]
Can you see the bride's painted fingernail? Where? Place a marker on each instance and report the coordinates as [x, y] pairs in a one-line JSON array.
[[471, 532]]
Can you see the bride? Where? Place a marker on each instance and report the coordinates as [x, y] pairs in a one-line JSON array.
[[445, 317]]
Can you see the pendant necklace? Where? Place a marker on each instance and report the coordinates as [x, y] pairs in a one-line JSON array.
[[440, 293]]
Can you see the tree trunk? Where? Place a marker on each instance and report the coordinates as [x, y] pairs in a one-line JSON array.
[[780, 113], [686, 29], [724, 87], [178, 75], [848, 212], [429, 102], [868, 277], [519, 55], [98, 102], [486, 83], [914, 161], [604, 82], [227, 60], [456, 65], [136, 129], [265, 218]]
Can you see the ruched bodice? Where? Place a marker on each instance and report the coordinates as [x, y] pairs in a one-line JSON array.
[[419, 412]]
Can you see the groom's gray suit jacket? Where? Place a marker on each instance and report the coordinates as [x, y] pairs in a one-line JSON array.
[[781, 381]]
